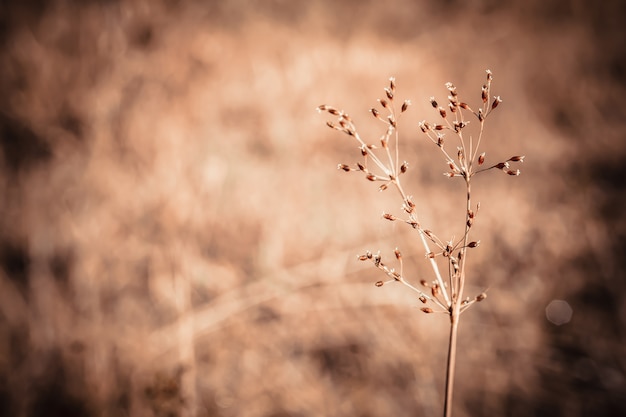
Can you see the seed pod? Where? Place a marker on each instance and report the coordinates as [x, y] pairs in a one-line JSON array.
[[344, 167], [389, 217], [480, 297], [496, 100], [375, 112], [481, 158], [379, 283], [398, 254], [405, 105], [473, 244], [423, 299], [427, 310], [517, 158]]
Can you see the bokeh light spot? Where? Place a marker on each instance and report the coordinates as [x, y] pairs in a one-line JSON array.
[[559, 312]]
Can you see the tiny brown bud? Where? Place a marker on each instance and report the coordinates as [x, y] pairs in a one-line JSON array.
[[375, 112], [405, 105], [464, 106], [517, 158], [344, 167], [442, 112], [423, 299], [439, 127], [389, 94], [391, 120], [481, 158], [331, 125], [473, 244], [430, 255], [489, 75], [404, 167], [427, 310], [384, 141], [379, 283], [321, 108], [470, 222], [481, 297], [389, 217], [333, 111], [513, 172], [440, 141], [434, 290], [383, 187], [484, 95], [392, 84], [424, 283], [364, 257], [383, 103], [361, 166], [398, 254], [496, 100], [371, 177], [433, 102], [481, 115], [501, 165]]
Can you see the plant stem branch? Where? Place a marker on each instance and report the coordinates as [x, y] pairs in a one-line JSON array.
[[454, 327]]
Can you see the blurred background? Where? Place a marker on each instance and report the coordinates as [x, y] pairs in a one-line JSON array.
[[177, 241]]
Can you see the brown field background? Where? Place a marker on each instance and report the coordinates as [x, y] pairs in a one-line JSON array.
[[177, 241]]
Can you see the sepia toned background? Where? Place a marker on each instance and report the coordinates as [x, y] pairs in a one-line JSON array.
[[175, 238]]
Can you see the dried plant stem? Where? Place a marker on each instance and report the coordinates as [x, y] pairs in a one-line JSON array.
[[455, 312], [446, 296], [450, 365]]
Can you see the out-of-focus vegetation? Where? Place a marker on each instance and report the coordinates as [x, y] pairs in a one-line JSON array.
[[176, 241]]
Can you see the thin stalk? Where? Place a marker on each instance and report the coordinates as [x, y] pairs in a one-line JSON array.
[[454, 327], [455, 311]]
